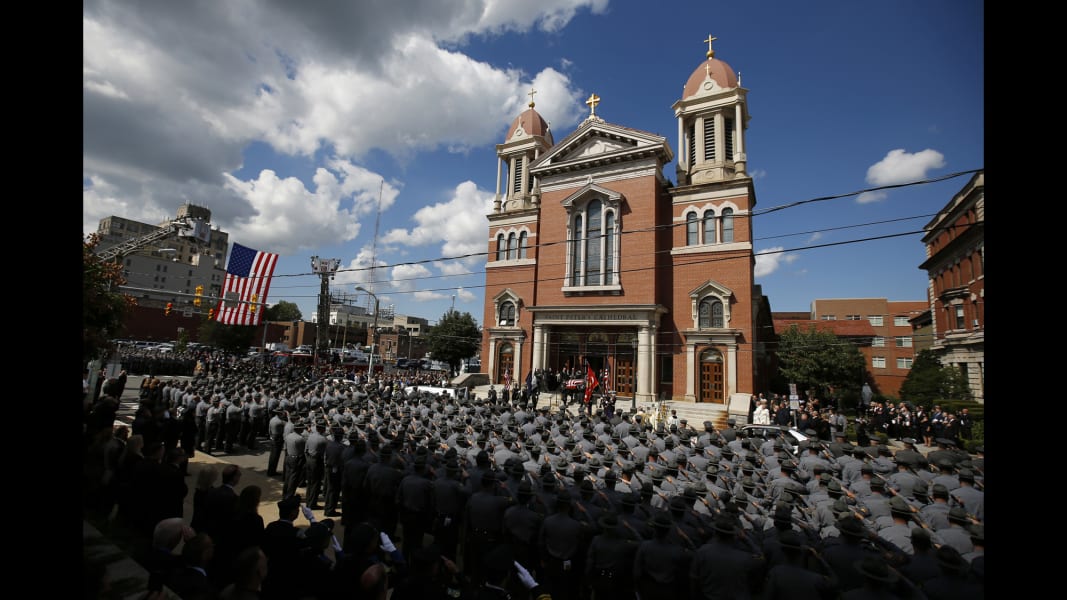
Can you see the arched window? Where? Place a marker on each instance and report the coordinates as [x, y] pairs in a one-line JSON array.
[[522, 244], [609, 247], [710, 313], [691, 229], [709, 226], [513, 247], [576, 251], [593, 240], [501, 247], [507, 314], [727, 225], [594, 245]]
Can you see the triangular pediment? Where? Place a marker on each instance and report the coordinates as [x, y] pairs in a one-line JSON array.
[[596, 140], [611, 197], [506, 294], [711, 287]]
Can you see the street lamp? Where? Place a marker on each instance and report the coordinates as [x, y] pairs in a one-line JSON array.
[[633, 378], [370, 363]]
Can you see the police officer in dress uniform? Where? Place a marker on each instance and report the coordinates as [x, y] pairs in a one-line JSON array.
[[315, 465], [295, 461], [276, 430], [334, 465]]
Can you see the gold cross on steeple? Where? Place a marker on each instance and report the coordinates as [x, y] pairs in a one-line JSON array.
[[531, 95], [710, 39], [592, 102]]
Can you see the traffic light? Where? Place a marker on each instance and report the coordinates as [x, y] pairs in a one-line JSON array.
[[199, 293], [166, 311], [210, 314], [252, 304]]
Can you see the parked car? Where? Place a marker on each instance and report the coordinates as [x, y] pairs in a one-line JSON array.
[[792, 436]]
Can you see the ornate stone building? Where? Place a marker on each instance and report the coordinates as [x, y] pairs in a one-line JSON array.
[[596, 256]]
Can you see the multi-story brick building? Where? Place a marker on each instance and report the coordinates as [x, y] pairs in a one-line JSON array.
[[169, 270], [891, 349], [596, 257], [955, 262]]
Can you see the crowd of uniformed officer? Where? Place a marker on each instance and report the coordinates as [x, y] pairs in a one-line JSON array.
[[603, 508]]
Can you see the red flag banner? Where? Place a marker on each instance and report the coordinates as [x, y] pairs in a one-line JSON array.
[[590, 382], [244, 291]]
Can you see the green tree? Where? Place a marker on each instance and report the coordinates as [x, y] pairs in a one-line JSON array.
[[283, 311], [818, 360], [104, 306], [455, 338], [231, 338], [929, 382]]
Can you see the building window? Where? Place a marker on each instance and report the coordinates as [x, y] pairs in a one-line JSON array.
[[852, 317], [727, 225], [522, 244], [876, 320], [691, 133], [729, 124], [507, 314], [513, 247], [691, 229], [878, 342], [900, 321], [710, 312], [709, 138], [501, 247], [961, 323], [828, 317], [904, 363], [709, 226], [594, 246], [904, 342], [878, 362], [517, 186]]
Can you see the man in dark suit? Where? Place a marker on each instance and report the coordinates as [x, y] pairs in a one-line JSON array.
[[191, 581], [220, 504], [282, 547]]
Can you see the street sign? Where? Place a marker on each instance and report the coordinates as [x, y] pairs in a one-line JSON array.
[[792, 390]]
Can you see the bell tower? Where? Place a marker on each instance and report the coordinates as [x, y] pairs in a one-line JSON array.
[[712, 119], [526, 139]]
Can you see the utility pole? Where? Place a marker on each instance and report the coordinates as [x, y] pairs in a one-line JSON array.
[[372, 340], [326, 268]]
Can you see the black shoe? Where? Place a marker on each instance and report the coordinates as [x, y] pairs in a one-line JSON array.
[[315, 506]]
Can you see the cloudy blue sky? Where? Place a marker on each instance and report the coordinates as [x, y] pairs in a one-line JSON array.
[[307, 126]]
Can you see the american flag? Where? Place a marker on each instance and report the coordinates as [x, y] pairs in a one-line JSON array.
[[244, 293]]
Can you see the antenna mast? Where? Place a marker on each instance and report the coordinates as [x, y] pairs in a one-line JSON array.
[[374, 245]]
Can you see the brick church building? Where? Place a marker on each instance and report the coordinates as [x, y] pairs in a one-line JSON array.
[[596, 256]]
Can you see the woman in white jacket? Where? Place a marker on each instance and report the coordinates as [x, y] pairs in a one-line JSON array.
[[761, 416]]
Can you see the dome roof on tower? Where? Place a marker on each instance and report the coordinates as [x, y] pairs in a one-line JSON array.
[[712, 68], [529, 123]]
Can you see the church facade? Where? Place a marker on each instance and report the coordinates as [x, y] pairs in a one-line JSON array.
[[596, 257]]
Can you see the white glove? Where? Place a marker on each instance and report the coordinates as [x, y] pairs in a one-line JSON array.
[[336, 545], [307, 513], [525, 577], [387, 544]]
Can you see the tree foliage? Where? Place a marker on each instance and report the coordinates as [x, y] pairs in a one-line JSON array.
[[283, 311], [929, 382], [455, 337], [231, 338], [104, 306], [818, 360]]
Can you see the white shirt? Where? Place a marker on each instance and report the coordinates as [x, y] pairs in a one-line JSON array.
[[761, 416]]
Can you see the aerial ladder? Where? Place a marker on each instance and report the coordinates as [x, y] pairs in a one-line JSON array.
[[182, 227]]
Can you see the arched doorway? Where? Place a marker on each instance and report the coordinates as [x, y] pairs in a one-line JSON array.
[[506, 362], [712, 382]]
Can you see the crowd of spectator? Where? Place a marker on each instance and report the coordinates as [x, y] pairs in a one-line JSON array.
[[428, 497]]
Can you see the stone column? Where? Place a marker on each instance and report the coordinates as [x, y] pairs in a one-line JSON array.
[[739, 142], [692, 372]]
